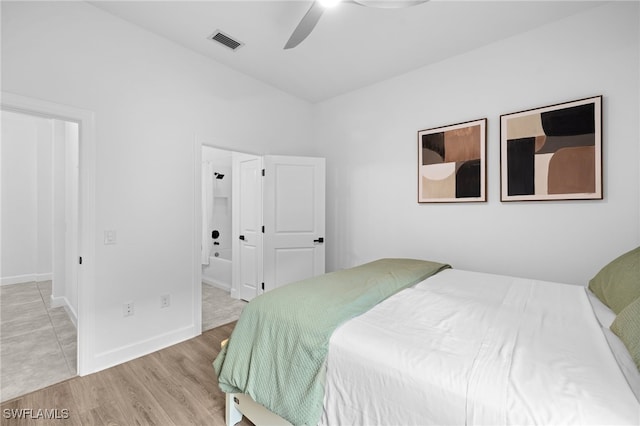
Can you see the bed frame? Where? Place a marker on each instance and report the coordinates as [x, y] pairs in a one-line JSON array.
[[239, 404]]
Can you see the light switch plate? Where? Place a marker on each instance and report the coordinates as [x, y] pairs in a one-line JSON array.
[[110, 237]]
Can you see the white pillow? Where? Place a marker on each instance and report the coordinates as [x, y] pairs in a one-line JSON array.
[[625, 362], [604, 314]]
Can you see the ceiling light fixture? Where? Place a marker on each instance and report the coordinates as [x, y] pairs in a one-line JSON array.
[[311, 18]]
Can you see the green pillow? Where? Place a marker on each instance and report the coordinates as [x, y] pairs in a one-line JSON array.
[[627, 327], [618, 283]]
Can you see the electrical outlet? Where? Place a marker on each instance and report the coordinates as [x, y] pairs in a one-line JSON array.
[[127, 309], [165, 301]]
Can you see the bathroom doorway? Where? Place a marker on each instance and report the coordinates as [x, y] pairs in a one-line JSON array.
[[257, 215], [218, 305], [216, 217]]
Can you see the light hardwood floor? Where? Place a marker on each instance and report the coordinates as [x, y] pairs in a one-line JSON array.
[[174, 386]]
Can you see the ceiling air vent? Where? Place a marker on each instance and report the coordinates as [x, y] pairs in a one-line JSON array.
[[226, 40]]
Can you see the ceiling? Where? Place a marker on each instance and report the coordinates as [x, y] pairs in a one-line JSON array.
[[351, 47]]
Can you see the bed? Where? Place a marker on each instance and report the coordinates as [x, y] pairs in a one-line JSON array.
[[458, 347]]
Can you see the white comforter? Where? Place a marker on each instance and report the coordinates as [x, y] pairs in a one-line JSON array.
[[471, 348]]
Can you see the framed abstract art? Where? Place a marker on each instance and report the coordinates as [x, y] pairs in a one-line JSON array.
[[452, 163], [552, 153]]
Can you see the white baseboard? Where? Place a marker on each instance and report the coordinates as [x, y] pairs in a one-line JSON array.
[[218, 284], [63, 301], [104, 360], [44, 277], [73, 316], [17, 279], [27, 278]]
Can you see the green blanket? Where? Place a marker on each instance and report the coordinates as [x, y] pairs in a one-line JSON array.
[[277, 351]]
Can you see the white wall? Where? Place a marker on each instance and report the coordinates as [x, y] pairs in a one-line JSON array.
[[44, 178], [369, 139], [64, 291], [71, 214], [151, 98], [27, 198], [59, 209]]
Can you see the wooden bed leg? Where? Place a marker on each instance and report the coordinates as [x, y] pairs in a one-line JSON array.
[[231, 414]]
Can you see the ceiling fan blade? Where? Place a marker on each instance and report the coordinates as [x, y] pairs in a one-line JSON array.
[[306, 25], [389, 4]]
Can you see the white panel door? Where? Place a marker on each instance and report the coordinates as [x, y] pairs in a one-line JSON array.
[[247, 226], [294, 219]]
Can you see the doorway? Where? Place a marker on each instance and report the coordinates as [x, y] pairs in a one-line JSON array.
[[231, 207], [277, 222], [40, 173], [219, 306], [86, 213]]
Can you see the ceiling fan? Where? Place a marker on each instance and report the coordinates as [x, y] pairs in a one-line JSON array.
[[311, 18]]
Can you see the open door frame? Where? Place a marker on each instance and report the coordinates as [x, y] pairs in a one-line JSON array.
[[265, 273], [86, 213]]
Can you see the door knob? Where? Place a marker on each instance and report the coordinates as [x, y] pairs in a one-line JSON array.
[[242, 237], [319, 240]]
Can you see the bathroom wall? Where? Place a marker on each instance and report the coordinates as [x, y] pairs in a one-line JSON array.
[[220, 216]]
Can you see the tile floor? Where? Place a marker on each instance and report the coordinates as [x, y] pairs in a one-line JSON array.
[[218, 308], [37, 342]]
